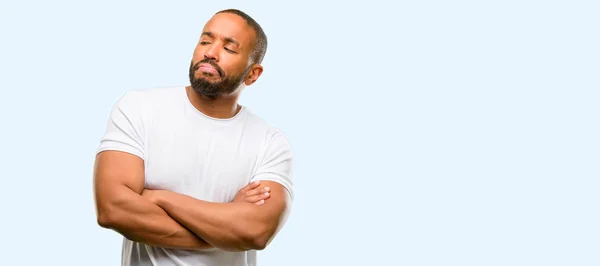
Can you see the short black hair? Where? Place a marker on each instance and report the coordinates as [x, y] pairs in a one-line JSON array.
[[260, 44]]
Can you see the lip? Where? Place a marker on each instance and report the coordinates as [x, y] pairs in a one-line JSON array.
[[208, 68]]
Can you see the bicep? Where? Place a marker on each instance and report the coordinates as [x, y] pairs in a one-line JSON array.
[[117, 177], [275, 209], [116, 168]]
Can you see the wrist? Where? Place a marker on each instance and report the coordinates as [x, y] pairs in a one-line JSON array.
[[153, 196], [158, 197]]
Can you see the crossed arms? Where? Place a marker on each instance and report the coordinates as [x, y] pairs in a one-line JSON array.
[[171, 220]]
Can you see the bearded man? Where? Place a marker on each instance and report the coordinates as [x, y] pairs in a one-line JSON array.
[[186, 174]]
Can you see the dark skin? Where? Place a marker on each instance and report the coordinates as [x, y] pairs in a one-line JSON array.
[[168, 219], [123, 206], [229, 41]]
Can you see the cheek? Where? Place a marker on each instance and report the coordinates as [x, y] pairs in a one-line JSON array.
[[238, 67], [229, 67], [235, 71]]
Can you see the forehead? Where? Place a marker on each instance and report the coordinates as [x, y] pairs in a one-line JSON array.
[[226, 25]]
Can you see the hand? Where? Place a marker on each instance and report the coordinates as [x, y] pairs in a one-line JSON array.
[[150, 195], [253, 193]]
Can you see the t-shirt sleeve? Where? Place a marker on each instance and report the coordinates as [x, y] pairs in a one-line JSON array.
[[277, 163], [124, 131]]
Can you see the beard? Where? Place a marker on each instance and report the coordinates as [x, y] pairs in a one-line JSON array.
[[227, 84]]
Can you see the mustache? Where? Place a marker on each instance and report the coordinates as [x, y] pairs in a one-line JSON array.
[[210, 62]]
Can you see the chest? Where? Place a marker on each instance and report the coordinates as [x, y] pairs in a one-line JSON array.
[[206, 162]]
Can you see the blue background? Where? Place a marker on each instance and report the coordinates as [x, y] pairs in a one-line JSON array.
[[425, 132]]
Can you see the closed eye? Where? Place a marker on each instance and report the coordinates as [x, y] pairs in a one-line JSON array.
[[229, 50]]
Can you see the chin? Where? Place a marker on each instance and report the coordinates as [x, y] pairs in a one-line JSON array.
[[211, 79]]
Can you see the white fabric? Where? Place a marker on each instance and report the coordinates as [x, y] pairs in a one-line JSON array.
[[188, 152]]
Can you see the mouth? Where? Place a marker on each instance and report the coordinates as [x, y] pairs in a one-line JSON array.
[[209, 69]]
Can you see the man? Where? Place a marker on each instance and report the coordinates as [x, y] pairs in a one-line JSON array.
[[186, 174]]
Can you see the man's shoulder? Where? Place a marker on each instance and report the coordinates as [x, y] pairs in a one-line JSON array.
[[260, 122], [270, 130]]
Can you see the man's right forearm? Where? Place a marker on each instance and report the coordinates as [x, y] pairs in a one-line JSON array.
[[140, 220]]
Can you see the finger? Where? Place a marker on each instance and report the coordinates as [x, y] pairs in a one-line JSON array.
[[250, 186], [259, 197], [257, 191]]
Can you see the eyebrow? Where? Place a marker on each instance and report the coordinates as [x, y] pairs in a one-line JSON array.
[[226, 39]]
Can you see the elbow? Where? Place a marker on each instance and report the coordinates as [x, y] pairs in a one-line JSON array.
[[256, 243], [258, 239], [104, 220], [260, 244], [105, 217]]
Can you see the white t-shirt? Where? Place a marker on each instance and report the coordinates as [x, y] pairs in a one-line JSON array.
[[190, 153]]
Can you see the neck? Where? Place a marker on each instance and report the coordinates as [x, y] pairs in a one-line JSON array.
[[222, 107]]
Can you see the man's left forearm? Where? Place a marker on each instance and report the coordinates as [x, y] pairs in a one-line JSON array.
[[236, 226]]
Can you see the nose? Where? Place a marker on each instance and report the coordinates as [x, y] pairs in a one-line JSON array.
[[211, 53]]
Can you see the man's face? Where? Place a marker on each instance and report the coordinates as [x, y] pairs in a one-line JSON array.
[[221, 60]]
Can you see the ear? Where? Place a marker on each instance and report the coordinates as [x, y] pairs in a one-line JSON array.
[[254, 73]]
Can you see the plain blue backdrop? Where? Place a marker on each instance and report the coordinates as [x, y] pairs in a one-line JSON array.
[[425, 132]]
